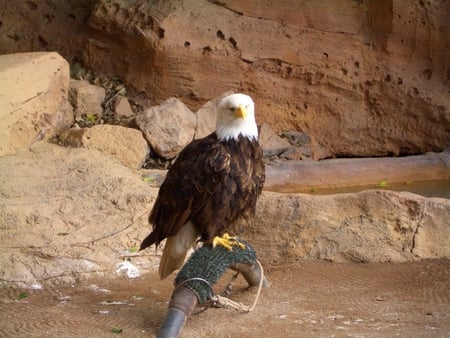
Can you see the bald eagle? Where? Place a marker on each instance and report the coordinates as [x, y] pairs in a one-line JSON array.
[[214, 182]]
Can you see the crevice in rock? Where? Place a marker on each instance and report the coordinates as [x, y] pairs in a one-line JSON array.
[[223, 5], [220, 35], [419, 224], [233, 42], [315, 29]]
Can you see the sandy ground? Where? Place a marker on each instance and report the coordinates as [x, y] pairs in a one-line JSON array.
[[305, 299]]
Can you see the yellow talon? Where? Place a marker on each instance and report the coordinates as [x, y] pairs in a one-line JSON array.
[[227, 242]]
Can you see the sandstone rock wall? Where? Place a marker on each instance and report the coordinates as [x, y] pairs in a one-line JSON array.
[[43, 25], [361, 78]]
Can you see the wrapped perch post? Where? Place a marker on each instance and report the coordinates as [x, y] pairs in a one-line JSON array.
[[193, 284]]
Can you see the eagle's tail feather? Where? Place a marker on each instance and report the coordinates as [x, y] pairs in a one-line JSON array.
[[149, 240], [176, 249]]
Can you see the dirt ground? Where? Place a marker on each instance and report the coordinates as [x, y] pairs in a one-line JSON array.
[[305, 299]]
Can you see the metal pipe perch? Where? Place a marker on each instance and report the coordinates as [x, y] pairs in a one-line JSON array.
[[193, 284]]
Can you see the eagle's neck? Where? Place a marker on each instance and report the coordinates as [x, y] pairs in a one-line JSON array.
[[247, 129]]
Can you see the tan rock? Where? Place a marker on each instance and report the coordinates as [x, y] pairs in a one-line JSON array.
[[127, 145], [33, 98], [370, 226], [432, 238], [168, 127], [85, 211], [270, 142], [86, 98], [123, 108]]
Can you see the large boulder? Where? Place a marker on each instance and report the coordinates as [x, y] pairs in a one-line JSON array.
[[271, 143], [168, 127], [370, 226], [67, 214], [33, 98], [127, 145]]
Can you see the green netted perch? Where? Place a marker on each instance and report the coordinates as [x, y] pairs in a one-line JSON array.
[[193, 284]]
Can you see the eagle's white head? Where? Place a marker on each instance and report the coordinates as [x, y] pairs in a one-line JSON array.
[[236, 116]]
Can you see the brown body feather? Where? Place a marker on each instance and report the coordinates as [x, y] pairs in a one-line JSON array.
[[211, 185]]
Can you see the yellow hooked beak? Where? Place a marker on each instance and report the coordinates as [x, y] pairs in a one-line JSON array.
[[240, 112]]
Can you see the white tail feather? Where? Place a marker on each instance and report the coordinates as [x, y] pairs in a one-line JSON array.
[[176, 249]]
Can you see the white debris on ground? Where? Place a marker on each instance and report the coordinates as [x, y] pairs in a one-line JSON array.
[[126, 268]]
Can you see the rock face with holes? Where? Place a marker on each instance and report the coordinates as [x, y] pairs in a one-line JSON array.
[[360, 78], [37, 25]]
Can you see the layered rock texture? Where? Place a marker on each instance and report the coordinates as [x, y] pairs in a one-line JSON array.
[[361, 78]]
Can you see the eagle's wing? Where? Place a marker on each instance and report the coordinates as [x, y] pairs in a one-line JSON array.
[[189, 184]]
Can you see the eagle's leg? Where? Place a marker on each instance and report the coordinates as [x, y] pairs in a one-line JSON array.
[[227, 242]]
